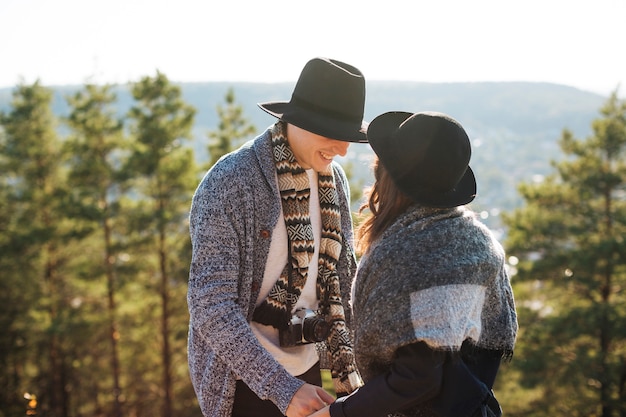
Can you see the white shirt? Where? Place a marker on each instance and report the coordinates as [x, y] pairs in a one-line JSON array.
[[297, 359]]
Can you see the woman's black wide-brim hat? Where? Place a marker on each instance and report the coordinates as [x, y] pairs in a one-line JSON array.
[[427, 155], [328, 100]]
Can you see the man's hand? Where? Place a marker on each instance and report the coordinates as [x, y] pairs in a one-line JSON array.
[[307, 400]]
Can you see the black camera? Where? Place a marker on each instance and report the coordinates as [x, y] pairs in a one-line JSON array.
[[305, 326]]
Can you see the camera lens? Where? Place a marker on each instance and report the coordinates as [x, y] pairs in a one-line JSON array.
[[315, 329]]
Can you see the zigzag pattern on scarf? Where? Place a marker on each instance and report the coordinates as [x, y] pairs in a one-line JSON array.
[[293, 184]]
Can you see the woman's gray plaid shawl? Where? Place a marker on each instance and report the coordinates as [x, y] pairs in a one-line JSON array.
[[438, 276]]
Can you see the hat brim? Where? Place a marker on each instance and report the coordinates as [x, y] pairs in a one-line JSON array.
[[463, 193], [324, 126], [379, 135]]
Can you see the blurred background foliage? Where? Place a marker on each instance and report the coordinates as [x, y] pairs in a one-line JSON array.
[[95, 191]]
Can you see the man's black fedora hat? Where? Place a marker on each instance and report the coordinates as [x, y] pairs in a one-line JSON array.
[[427, 155], [328, 100]]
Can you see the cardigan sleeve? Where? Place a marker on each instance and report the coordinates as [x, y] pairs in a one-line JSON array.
[[217, 320]]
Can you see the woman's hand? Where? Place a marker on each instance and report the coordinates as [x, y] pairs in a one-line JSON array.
[[324, 412]]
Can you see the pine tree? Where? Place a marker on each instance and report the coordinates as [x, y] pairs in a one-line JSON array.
[[96, 146], [233, 129], [165, 178], [37, 241], [569, 236], [17, 295]]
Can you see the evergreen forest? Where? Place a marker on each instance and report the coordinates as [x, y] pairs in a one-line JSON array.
[[95, 188]]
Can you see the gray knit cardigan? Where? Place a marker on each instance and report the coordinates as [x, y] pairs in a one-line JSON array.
[[233, 214]]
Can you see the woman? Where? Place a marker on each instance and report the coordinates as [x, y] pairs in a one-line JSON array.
[[433, 309]]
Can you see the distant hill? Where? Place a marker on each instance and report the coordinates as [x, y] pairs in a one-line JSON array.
[[514, 126]]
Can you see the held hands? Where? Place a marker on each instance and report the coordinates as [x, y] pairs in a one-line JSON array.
[[324, 412], [307, 400]]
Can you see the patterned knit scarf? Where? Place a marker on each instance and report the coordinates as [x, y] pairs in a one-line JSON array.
[[295, 193]]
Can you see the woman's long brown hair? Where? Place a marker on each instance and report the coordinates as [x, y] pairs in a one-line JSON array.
[[385, 203]]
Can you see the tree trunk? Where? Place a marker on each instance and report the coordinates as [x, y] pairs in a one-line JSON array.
[[59, 398], [167, 377], [113, 333]]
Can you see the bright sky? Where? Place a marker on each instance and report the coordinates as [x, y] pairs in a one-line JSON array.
[[580, 43]]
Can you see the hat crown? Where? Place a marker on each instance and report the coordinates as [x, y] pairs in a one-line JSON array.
[[427, 155], [437, 151], [331, 88], [328, 100]]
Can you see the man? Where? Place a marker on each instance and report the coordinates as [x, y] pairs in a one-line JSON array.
[[272, 258]]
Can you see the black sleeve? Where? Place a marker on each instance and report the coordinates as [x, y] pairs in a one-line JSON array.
[[415, 376]]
